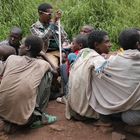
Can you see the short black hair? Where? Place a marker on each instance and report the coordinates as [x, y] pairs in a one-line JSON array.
[[35, 43], [89, 27], [16, 30], [96, 36], [128, 39], [136, 28], [44, 7], [81, 39]]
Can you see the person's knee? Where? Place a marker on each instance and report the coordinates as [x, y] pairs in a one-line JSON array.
[[131, 117]]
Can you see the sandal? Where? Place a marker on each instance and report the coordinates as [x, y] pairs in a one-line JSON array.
[[61, 100], [46, 119], [36, 124], [50, 119]]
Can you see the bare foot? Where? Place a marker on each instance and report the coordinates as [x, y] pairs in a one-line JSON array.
[[56, 127], [135, 130], [118, 136], [105, 129], [3, 136], [105, 124]]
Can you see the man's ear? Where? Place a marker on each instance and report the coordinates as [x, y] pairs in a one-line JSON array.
[[96, 45], [80, 45], [28, 48], [138, 45], [20, 37]]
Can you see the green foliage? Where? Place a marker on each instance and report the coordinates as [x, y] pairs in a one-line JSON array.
[[110, 15]]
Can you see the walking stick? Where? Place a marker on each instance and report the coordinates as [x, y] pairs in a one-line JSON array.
[[60, 44]]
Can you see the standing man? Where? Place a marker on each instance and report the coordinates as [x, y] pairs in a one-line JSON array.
[[47, 29], [14, 39]]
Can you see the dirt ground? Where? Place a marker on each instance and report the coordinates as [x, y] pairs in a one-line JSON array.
[[69, 129]]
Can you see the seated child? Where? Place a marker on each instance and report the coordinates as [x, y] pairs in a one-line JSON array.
[[78, 43]]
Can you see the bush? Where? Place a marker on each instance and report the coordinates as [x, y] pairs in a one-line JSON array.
[[110, 15]]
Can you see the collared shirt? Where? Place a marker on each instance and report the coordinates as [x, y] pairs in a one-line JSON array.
[[49, 33]]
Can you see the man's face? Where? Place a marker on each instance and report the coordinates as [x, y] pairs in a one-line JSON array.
[[14, 39], [22, 49], [104, 46], [85, 30], [139, 41], [75, 46], [47, 16]]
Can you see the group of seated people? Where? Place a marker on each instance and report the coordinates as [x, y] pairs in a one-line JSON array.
[[106, 87], [96, 83]]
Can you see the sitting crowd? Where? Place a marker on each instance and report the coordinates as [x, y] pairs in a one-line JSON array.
[[94, 83]]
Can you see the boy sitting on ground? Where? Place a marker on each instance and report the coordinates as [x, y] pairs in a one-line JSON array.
[[78, 43], [25, 88], [13, 39]]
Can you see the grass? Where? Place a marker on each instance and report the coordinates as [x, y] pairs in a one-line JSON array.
[[110, 15]]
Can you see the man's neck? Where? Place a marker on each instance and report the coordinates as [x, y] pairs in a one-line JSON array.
[[44, 23]]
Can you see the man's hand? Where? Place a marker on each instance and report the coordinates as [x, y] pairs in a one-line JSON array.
[[42, 54], [57, 16]]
